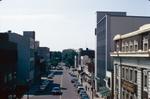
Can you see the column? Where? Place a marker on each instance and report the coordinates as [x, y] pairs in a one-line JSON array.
[[149, 84], [139, 83], [119, 81], [115, 82]]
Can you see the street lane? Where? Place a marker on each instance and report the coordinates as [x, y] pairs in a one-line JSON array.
[[70, 93], [61, 79]]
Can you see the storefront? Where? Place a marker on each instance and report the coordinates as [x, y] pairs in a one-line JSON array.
[[129, 90]]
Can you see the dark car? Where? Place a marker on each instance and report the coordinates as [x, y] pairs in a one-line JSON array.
[[74, 80], [84, 96], [56, 91]]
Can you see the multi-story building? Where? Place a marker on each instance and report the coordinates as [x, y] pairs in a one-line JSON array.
[[25, 62], [44, 54], [37, 73], [8, 68], [108, 25], [131, 61], [86, 68]]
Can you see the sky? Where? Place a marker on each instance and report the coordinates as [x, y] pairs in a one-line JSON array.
[[63, 24]]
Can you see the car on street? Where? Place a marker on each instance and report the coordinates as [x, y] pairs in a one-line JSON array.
[[80, 88], [82, 92], [84, 96], [56, 91], [74, 80], [51, 75], [76, 84], [42, 87]]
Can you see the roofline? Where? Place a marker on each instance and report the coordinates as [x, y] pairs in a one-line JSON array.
[[110, 12], [130, 16]]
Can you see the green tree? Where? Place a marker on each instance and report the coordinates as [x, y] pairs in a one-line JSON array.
[[55, 58], [68, 57]]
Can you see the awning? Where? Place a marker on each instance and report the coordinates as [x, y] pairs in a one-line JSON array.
[[104, 91]]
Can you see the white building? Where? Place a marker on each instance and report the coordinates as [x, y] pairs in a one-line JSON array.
[[131, 61]]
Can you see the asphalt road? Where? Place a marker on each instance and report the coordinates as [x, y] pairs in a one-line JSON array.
[[62, 79]]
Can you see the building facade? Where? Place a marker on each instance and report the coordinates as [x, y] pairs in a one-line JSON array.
[[108, 25], [8, 68], [25, 62], [44, 55], [131, 61]]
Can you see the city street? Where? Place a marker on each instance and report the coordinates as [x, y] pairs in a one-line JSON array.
[[61, 78]]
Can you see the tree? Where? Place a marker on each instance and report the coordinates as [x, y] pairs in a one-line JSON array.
[[68, 57], [55, 58]]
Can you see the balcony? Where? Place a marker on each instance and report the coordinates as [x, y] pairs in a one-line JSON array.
[[138, 53]]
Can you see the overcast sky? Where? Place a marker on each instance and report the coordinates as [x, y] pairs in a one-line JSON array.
[[61, 24]]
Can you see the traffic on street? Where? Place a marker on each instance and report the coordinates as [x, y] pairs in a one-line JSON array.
[[58, 84]]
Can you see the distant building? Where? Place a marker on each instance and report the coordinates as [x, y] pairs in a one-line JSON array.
[[108, 25], [8, 68], [43, 53], [131, 61], [37, 73], [86, 67]]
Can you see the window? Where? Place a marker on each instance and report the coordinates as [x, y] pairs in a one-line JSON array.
[[123, 73], [127, 74], [116, 70], [131, 46], [127, 47], [135, 45], [5, 78], [145, 43], [145, 80], [145, 47], [135, 76], [10, 77], [131, 74], [117, 49], [123, 46]]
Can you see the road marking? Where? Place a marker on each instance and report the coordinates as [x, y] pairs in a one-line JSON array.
[[61, 85]]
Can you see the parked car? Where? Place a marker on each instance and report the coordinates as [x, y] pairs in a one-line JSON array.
[[51, 75], [84, 97], [77, 84], [80, 88], [73, 80], [82, 92], [56, 91], [42, 87]]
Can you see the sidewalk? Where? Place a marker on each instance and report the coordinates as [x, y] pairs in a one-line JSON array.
[[89, 91]]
